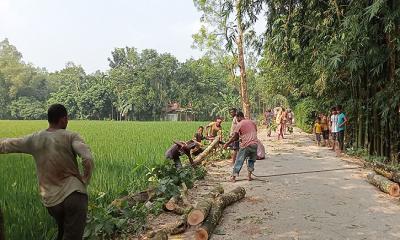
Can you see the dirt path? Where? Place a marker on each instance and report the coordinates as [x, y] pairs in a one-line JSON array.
[[324, 205]]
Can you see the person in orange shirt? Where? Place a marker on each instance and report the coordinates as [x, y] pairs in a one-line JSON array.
[[318, 131]]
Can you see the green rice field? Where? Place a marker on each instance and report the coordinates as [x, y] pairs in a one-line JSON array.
[[123, 151]]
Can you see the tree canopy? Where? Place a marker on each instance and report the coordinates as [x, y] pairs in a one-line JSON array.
[[312, 55]]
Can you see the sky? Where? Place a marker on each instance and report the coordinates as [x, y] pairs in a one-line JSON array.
[[49, 33]]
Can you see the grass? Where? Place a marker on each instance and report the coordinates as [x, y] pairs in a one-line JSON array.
[[123, 153]]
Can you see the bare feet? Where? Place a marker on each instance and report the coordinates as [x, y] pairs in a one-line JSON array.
[[249, 177], [232, 179]]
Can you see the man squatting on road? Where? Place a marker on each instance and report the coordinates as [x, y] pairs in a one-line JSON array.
[[62, 187], [246, 130]]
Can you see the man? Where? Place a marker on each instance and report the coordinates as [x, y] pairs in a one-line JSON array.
[[341, 123], [198, 139], [334, 127], [177, 150], [268, 115], [62, 186], [281, 119], [214, 129], [246, 130], [235, 145], [290, 121]]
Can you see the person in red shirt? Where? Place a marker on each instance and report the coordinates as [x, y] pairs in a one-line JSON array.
[[246, 131]]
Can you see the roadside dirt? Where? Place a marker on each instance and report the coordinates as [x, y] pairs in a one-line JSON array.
[[319, 205]]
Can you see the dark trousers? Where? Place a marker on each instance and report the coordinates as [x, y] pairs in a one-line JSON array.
[[2, 232], [70, 216], [177, 162], [249, 153], [341, 139]]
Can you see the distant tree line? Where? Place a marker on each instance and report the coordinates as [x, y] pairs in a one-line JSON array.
[[138, 85]]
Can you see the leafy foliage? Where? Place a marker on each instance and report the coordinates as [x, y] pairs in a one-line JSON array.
[[107, 220]]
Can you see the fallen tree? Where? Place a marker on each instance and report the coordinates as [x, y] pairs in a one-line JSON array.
[[206, 229], [133, 199], [206, 151], [177, 227], [203, 206], [384, 184]]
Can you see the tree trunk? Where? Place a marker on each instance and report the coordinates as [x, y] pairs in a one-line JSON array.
[[243, 76], [387, 172], [177, 227], [205, 231], [200, 212], [384, 184], [206, 151], [133, 199]]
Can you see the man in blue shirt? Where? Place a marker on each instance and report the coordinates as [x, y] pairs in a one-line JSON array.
[[341, 124]]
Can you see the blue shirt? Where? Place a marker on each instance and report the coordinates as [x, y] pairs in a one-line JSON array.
[[340, 121]]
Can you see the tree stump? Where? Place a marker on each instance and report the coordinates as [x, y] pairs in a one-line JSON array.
[[204, 232], [384, 184]]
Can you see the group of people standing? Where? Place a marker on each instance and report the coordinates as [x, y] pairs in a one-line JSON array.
[[283, 118], [329, 130]]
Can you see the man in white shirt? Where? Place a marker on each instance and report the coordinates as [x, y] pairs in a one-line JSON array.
[[334, 127]]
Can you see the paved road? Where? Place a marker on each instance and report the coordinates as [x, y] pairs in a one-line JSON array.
[[324, 205]]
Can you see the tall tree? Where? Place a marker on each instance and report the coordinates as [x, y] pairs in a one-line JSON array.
[[227, 22]]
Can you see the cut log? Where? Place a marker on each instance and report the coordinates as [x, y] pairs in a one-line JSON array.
[[200, 212], [383, 166], [182, 210], [179, 226], [206, 229], [184, 194], [206, 151], [386, 171], [160, 235], [133, 199], [383, 172], [173, 203], [384, 184]]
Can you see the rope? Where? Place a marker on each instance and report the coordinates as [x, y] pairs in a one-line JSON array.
[[305, 172]]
